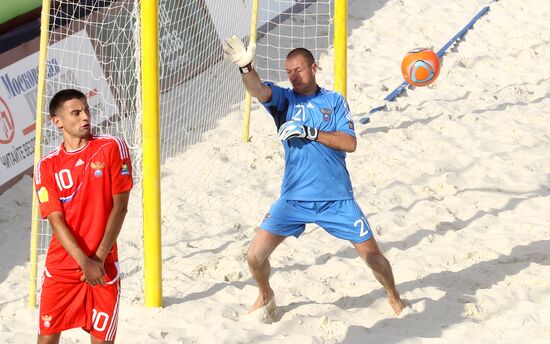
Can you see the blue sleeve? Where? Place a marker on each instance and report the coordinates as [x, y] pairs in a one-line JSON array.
[[344, 122], [278, 105]]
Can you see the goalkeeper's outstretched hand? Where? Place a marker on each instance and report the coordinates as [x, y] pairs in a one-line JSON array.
[[292, 129], [235, 51]]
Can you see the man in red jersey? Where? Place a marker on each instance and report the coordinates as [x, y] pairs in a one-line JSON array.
[[83, 188]]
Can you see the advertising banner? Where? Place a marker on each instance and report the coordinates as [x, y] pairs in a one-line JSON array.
[[18, 92]]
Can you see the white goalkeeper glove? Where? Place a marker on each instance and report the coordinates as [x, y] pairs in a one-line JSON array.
[[235, 51], [292, 129]]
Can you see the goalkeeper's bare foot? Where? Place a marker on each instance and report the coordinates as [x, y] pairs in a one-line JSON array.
[[262, 300], [397, 304], [264, 307]]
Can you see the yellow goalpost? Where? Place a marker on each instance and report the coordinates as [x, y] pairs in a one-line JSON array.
[[44, 24], [151, 154], [340, 46], [248, 98]]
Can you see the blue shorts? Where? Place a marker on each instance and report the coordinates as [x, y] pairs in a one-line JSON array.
[[343, 219]]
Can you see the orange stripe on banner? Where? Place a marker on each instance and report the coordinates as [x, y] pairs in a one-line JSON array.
[[29, 129]]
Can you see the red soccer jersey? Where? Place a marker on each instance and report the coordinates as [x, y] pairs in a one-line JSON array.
[[80, 184]]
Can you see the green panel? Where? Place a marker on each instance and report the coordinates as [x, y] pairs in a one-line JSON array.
[[10, 9]]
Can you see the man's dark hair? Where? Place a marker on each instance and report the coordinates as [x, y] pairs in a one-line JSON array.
[[61, 97], [306, 54]]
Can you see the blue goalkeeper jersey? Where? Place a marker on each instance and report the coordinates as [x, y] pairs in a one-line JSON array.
[[313, 171]]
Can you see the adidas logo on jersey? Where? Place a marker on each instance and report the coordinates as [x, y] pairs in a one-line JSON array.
[[79, 162]]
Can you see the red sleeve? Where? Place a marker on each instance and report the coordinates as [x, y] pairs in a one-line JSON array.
[[121, 168], [46, 189]]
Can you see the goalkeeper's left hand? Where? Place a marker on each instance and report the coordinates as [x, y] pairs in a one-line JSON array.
[[235, 51], [292, 129]]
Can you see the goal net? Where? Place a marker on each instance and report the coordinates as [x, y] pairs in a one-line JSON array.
[[287, 24], [94, 46]]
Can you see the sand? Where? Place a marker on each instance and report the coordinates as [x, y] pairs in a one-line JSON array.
[[454, 178]]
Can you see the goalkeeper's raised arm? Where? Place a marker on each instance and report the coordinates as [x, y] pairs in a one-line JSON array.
[[237, 53]]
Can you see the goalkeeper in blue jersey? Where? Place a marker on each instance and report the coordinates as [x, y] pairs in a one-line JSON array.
[[316, 130]]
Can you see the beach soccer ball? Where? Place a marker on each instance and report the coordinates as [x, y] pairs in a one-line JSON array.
[[420, 67]]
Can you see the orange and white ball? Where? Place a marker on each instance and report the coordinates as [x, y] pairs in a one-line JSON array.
[[420, 67]]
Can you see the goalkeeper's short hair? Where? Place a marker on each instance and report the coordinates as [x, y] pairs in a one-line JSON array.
[[305, 53]]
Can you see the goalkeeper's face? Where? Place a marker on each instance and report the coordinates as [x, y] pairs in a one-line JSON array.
[[301, 75]]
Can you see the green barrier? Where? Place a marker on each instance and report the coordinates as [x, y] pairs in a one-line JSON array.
[[10, 9]]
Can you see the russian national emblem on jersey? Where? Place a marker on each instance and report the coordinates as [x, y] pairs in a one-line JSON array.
[[98, 167], [326, 114]]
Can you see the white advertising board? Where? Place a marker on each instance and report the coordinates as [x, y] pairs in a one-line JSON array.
[[18, 90]]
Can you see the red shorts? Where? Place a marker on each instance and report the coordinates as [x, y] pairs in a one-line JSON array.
[[66, 302]]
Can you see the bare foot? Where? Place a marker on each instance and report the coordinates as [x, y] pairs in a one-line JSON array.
[[262, 300], [265, 308], [397, 304]]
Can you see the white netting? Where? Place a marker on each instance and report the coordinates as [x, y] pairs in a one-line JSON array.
[[95, 47], [287, 24], [197, 88]]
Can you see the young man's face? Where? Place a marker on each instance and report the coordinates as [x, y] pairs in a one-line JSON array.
[[301, 75], [74, 118]]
